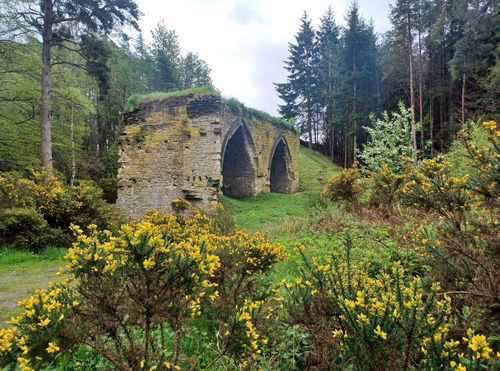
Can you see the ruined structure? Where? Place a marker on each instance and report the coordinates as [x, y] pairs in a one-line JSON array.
[[194, 146]]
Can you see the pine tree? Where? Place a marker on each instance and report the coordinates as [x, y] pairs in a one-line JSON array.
[[403, 16], [300, 92], [328, 54], [359, 92]]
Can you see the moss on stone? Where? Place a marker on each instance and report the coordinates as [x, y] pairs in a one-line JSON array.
[[238, 107], [234, 104]]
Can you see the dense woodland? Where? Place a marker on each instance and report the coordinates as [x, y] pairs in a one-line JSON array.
[[441, 58], [92, 77]]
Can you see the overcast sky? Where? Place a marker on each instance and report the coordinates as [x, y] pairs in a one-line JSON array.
[[246, 41]]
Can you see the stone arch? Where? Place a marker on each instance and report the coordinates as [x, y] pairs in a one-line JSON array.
[[280, 167], [238, 164]]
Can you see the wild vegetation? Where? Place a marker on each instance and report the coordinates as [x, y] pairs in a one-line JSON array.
[[388, 264], [410, 283]]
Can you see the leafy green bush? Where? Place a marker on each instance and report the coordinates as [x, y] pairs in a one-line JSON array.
[[23, 228], [390, 141]]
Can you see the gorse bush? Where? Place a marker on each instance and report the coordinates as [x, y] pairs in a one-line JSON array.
[[136, 293], [52, 207], [431, 185], [24, 228], [384, 186], [485, 160], [387, 321], [343, 186]]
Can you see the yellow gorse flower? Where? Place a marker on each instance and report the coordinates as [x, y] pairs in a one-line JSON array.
[[380, 333]]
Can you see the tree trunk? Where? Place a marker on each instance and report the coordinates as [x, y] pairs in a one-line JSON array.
[[463, 99], [46, 85], [309, 129], [412, 93], [431, 124], [73, 158], [420, 90]]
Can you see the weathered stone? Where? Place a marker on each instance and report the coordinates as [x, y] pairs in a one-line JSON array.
[[196, 147]]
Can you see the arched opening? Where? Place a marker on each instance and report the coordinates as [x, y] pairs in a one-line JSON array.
[[238, 165], [280, 177]]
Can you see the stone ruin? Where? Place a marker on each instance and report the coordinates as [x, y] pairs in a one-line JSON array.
[[194, 147]]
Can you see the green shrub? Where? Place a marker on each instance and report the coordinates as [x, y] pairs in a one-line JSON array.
[[59, 205], [390, 141], [23, 228], [343, 186]]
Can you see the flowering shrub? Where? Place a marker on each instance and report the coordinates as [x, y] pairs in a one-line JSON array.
[[180, 204], [485, 181], [384, 185], [390, 320], [23, 227], [136, 292], [54, 205], [390, 140], [431, 185], [343, 186]]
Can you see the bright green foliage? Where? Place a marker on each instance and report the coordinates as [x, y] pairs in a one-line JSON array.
[[390, 141], [24, 228]]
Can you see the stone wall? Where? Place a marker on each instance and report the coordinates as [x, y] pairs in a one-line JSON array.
[[193, 147]]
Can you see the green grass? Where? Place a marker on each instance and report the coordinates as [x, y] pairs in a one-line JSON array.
[[267, 210], [236, 106], [137, 99], [22, 272]]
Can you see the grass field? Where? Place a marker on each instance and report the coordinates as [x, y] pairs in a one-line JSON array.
[[21, 273]]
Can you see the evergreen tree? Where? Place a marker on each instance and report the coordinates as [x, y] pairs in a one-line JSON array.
[[167, 59], [193, 72], [300, 92], [359, 91], [328, 53], [403, 16]]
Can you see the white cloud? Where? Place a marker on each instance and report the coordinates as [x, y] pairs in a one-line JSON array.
[[246, 41]]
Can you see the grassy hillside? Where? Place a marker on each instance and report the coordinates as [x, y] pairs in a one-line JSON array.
[[266, 209]]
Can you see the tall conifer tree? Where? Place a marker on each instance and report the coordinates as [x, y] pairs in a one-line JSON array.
[[300, 92]]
